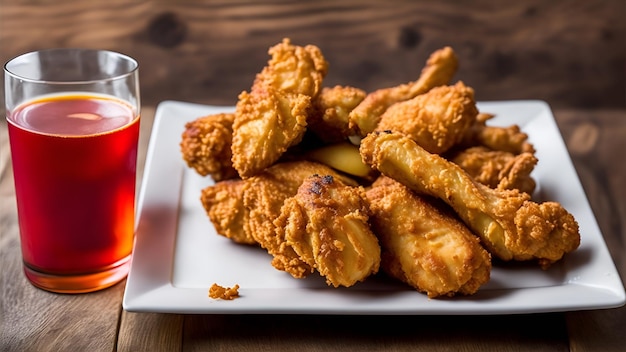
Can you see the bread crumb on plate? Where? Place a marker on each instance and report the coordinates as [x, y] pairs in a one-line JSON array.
[[227, 293]]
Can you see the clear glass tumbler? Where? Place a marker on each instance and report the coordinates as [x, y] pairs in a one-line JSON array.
[[73, 120]]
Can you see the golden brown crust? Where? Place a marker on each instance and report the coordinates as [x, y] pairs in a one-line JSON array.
[[226, 293], [424, 245], [223, 203], [511, 226], [206, 146], [326, 224], [330, 122], [294, 69], [509, 139], [272, 116], [436, 120], [267, 123], [439, 70], [322, 226], [498, 169], [264, 195]]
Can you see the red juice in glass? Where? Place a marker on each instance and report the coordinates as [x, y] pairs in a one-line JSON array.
[[74, 162]]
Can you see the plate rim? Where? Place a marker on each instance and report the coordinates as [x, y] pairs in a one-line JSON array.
[[149, 286]]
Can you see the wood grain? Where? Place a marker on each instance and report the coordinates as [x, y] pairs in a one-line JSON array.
[[595, 140], [208, 51], [160, 332]]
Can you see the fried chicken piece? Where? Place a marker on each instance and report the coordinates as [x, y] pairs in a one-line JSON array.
[[264, 195], [330, 122], [268, 122], [272, 116], [498, 169], [439, 70], [424, 245], [223, 203], [294, 69], [436, 120], [510, 225], [507, 139], [499, 157], [205, 146], [326, 224]]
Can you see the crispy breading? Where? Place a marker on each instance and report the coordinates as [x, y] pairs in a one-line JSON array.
[[498, 169], [326, 224], [226, 293], [293, 69], [272, 116], [429, 140], [424, 245], [264, 195], [206, 146], [437, 120], [223, 203], [439, 70], [507, 139], [511, 226], [333, 105], [267, 123]]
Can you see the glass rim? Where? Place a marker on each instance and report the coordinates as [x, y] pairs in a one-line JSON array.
[[133, 69]]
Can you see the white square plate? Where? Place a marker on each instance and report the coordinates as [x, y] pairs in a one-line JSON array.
[[178, 255]]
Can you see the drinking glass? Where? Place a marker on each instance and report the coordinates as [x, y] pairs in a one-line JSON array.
[[73, 121]]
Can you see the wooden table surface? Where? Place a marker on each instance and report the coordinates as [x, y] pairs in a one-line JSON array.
[[570, 53]]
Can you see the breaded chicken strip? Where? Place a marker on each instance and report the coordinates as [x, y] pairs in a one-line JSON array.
[[439, 70], [509, 139], [424, 245], [436, 120], [272, 116], [223, 203], [268, 122], [205, 146], [511, 226], [498, 169], [263, 197], [330, 122], [326, 224]]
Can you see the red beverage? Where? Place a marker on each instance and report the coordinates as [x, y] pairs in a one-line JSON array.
[[74, 162]]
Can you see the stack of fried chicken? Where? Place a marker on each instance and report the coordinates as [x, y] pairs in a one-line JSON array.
[[409, 179]]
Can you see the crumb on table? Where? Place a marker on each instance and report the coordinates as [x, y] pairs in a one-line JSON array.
[[228, 293]]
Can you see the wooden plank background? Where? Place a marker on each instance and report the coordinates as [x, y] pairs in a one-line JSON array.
[[570, 53]]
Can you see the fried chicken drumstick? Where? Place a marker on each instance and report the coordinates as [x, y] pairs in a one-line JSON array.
[[439, 70], [326, 224], [331, 120], [424, 245], [510, 225], [206, 146], [509, 139], [223, 203], [445, 192], [273, 116], [436, 120], [264, 195], [498, 169]]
